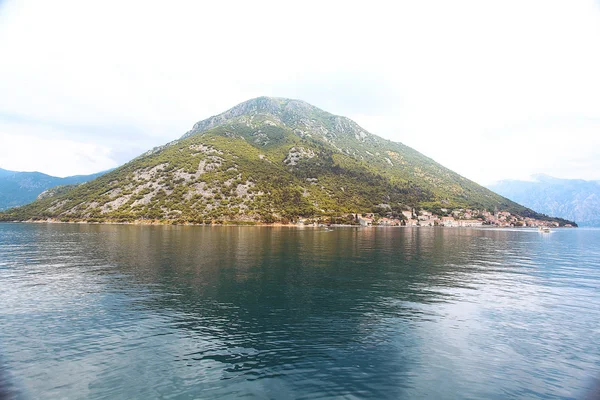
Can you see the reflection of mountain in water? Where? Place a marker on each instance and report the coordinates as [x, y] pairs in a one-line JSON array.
[[6, 389], [264, 302], [213, 312]]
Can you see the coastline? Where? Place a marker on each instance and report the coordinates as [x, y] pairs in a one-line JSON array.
[[261, 224]]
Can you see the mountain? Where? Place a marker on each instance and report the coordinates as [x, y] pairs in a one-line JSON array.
[[4, 172], [573, 199], [268, 159], [18, 188]]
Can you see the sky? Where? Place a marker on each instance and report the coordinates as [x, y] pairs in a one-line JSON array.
[[491, 89]]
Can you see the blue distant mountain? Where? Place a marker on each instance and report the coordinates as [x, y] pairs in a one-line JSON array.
[[4, 172], [573, 199], [18, 188]]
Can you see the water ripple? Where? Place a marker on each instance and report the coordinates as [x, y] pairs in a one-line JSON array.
[[200, 312]]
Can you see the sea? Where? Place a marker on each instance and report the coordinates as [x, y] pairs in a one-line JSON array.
[[92, 311]]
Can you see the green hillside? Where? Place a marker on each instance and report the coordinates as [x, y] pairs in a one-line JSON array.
[[18, 188], [268, 159]]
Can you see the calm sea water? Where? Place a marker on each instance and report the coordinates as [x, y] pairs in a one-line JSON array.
[[141, 312]]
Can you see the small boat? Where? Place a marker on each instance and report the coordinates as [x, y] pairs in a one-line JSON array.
[[544, 229]]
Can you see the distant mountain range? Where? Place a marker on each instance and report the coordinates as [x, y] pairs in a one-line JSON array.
[[19, 188], [573, 199]]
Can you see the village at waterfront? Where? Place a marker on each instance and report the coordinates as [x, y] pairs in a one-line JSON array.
[[451, 218]]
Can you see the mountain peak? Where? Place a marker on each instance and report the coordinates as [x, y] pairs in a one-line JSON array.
[[543, 178], [273, 105], [291, 112]]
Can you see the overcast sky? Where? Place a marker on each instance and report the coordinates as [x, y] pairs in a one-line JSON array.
[[492, 90]]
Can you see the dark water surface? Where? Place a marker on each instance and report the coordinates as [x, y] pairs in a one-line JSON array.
[[144, 312]]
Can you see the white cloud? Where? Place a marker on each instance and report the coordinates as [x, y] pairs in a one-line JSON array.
[[25, 149], [456, 80]]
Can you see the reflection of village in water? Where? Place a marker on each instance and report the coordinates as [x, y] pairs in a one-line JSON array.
[[450, 218]]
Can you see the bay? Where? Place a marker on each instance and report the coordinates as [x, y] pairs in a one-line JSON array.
[[183, 312]]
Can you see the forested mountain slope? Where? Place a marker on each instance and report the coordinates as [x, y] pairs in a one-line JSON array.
[[268, 159]]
